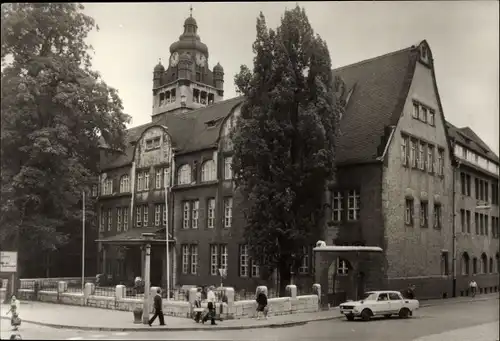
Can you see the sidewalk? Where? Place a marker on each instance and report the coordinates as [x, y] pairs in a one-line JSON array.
[[86, 318]]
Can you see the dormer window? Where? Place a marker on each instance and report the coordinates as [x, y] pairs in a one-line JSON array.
[[153, 143], [424, 54]]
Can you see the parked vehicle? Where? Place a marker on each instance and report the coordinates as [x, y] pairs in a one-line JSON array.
[[379, 303]]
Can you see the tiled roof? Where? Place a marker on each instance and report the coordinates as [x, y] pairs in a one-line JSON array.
[[469, 139], [190, 131], [380, 86]]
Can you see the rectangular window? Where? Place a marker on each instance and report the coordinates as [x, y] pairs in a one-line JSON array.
[[195, 208], [145, 215], [110, 217], [486, 192], [125, 219], [476, 222], [228, 168], [463, 184], [423, 114], [440, 161], [462, 221], [404, 150], [430, 159], [164, 213], [353, 205], [421, 155], [166, 177], [146, 181], [185, 259], [118, 219], [211, 213], [423, 214], [337, 206], [413, 153], [409, 212], [304, 265], [214, 260], [437, 216], [228, 212], [468, 183], [103, 220], [138, 216], [94, 190], [494, 193], [157, 214], [158, 174], [468, 220], [140, 182], [186, 214], [255, 269], [194, 259], [223, 257], [416, 110], [444, 263], [432, 116], [486, 223], [243, 260]]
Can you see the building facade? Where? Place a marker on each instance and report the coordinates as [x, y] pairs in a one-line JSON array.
[[394, 185]]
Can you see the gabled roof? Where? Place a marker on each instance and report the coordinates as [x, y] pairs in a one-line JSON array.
[[194, 130], [469, 139], [381, 87]]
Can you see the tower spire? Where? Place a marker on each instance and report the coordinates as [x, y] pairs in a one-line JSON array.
[[191, 11]]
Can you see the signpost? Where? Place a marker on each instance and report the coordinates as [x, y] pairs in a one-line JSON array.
[[8, 263]]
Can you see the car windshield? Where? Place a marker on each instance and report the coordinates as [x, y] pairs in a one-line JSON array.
[[369, 296]]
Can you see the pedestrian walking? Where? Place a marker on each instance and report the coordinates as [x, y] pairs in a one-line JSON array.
[[262, 308], [197, 306], [473, 287], [211, 306], [158, 309], [15, 320]]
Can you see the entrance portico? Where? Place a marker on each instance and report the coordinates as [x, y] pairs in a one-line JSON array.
[[122, 256]]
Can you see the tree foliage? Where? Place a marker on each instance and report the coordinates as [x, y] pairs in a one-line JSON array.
[[54, 111], [284, 140]]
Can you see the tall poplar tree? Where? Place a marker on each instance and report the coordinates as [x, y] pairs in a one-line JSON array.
[[54, 110], [284, 148]]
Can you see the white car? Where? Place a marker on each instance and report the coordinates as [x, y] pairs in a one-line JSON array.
[[379, 303]]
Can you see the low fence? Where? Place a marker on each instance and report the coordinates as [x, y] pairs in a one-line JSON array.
[[226, 306]]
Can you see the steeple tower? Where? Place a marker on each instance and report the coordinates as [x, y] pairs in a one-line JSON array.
[[187, 83]]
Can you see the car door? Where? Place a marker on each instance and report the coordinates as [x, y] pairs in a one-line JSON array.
[[383, 304], [396, 302]]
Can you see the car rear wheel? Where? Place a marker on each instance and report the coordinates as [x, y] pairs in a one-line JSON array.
[[366, 314], [404, 313], [387, 316], [350, 317]]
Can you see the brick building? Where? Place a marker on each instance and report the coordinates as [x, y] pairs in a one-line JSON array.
[[393, 189]]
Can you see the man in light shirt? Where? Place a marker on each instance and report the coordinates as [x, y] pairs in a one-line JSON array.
[[211, 306]]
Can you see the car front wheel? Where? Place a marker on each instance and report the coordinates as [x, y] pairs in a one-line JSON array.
[[366, 314]]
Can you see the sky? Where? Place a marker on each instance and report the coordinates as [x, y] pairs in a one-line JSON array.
[[463, 37]]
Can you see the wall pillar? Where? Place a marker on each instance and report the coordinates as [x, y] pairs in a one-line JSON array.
[[104, 249], [143, 259]]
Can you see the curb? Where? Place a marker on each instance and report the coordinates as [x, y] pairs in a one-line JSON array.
[[219, 327]]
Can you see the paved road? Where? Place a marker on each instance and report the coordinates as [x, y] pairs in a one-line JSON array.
[[475, 321]]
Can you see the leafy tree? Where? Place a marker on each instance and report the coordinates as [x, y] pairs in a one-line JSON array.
[[284, 141], [54, 111]]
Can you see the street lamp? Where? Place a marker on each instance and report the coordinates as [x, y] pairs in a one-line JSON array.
[[147, 269]]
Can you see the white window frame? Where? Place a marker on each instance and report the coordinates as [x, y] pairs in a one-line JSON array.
[[194, 259], [184, 175], [337, 206], [145, 215], [255, 270], [416, 110], [166, 177], [118, 219], [164, 214], [342, 267], [413, 153], [94, 190], [424, 213], [146, 180], [157, 214], [214, 260], [228, 212], [409, 209], [353, 205], [223, 257], [124, 184], [186, 214], [138, 216], [208, 171], [244, 260], [103, 220], [110, 219], [228, 168], [125, 219], [195, 212], [421, 156], [185, 259], [211, 213], [432, 117], [139, 181], [158, 176], [423, 114], [430, 158], [440, 162], [438, 224], [304, 264], [405, 150]]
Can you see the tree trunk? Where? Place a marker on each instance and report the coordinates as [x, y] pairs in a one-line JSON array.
[[284, 277]]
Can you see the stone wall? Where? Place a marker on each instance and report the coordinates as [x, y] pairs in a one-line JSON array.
[[226, 310]]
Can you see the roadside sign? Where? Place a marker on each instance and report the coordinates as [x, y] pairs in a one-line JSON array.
[[8, 261]]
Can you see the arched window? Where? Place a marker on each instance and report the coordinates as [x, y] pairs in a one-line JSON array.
[[474, 265], [484, 264], [124, 184], [208, 171], [465, 264], [184, 175], [491, 265]]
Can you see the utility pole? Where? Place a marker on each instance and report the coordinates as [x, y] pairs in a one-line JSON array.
[[83, 241], [147, 272]]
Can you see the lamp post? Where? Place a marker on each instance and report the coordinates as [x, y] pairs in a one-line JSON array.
[[83, 240], [147, 269]]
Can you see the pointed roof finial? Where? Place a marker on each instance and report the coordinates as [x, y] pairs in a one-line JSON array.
[[159, 60], [191, 11]]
